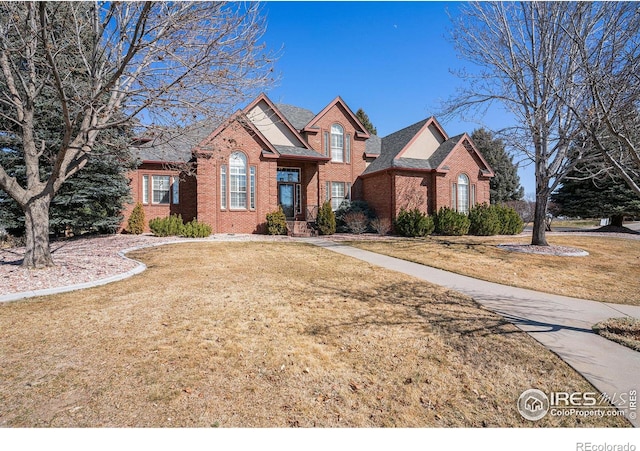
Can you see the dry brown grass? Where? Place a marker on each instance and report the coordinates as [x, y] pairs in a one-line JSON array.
[[610, 273], [268, 335]]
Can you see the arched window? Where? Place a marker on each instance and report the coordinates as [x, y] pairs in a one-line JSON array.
[[337, 143], [463, 193], [238, 181]]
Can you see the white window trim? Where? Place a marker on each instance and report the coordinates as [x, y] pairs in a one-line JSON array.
[[154, 190], [145, 189], [337, 145]]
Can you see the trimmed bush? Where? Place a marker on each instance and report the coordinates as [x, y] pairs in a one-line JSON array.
[[277, 222], [135, 224], [347, 207], [413, 223], [450, 222], [169, 226], [326, 220], [356, 222], [484, 220], [510, 220], [195, 229], [381, 225]]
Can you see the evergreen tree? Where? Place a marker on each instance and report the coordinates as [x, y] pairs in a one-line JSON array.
[[505, 186], [608, 197], [364, 119]]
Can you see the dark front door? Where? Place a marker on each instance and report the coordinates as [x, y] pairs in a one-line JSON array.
[[286, 198]]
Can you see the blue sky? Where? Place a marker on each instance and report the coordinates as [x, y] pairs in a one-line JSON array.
[[393, 59]]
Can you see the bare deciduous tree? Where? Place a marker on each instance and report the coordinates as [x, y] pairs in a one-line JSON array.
[[528, 63], [109, 64], [607, 43]]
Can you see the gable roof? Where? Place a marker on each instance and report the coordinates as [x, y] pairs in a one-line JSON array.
[[361, 133], [298, 117], [171, 145], [391, 148]]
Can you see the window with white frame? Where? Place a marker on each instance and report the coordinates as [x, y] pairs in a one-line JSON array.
[[238, 181], [337, 143], [160, 185], [223, 187], [252, 187], [463, 193], [145, 189], [175, 190], [338, 194]]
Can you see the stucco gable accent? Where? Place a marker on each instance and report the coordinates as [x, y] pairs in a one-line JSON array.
[[272, 124], [423, 144], [361, 132]]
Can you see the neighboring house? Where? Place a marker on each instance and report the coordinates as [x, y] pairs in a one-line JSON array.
[[268, 155]]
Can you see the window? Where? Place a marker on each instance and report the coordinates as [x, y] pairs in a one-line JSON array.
[[338, 194], [175, 190], [463, 193], [326, 144], [145, 189], [223, 187], [288, 175], [337, 143], [252, 188], [347, 149], [160, 189], [238, 181]]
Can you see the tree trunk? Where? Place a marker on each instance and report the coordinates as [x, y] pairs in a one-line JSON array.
[[539, 237], [616, 220], [38, 254]]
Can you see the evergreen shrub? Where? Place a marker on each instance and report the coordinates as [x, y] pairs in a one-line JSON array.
[[485, 220], [413, 223], [195, 229], [450, 222], [135, 224], [510, 221], [326, 220], [277, 222], [169, 226]]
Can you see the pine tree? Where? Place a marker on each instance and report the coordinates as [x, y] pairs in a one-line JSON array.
[[364, 119], [505, 186], [608, 196]]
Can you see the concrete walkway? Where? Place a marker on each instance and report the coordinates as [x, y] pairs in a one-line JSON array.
[[561, 324]]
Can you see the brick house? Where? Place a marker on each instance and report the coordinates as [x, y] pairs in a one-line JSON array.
[[268, 155]]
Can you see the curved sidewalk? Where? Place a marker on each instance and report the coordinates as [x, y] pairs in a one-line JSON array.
[[561, 324]]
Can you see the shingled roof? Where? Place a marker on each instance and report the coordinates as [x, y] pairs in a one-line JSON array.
[[390, 147], [174, 145], [298, 117]]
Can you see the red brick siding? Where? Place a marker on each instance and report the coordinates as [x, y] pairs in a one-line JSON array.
[[187, 195], [377, 191]]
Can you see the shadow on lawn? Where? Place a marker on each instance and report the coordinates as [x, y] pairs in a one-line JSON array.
[[415, 305]]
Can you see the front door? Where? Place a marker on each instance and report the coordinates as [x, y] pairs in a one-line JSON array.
[[286, 198]]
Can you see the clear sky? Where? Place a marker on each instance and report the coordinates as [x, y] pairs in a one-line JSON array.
[[392, 59]]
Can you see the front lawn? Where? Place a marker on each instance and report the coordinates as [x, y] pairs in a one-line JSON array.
[[610, 273], [269, 335]]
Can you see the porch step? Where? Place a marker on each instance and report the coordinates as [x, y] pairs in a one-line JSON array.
[[300, 229]]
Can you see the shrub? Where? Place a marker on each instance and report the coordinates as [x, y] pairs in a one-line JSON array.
[[484, 220], [347, 207], [195, 229], [510, 220], [170, 226], [450, 222], [135, 224], [356, 222], [381, 225], [277, 222], [326, 220], [413, 223]]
